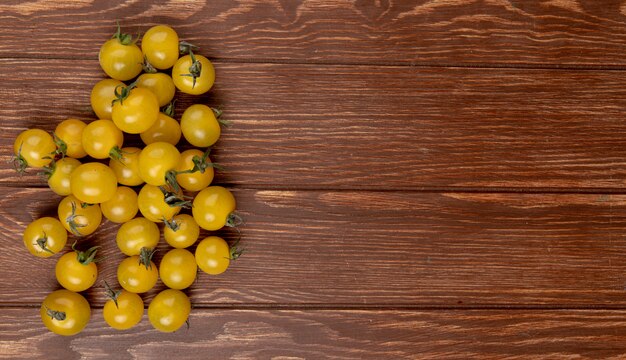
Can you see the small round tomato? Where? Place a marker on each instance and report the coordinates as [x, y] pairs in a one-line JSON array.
[[102, 95], [122, 207], [70, 134], [59, 173], [178, 269], [45, 237], [197, 180], [79, 218], [102, 139], [120, 57], [156, 160], [123, 310], [161, 85], [181, 231], [193, 74], [126, 169], [213, 208], [76, 270], [134, 109], [169, 310], [160, 46], [136, 234], [34, 148], [165, 129], [213, 255], [152, 204], [93, 183], [200, 126], [65, 312], [138, 274]]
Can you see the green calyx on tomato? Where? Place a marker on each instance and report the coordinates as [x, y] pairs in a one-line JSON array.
[[171, 224], [194, 70], [174, 198], [71, 220], [124, 39], [121, 95], [218, 115], [200, 164], [56, 315], [43, 243], [145, 257], [111, 294], [61, 146], [234, 220], [169, 109], [86, 257], [147, 67], [185, 47]]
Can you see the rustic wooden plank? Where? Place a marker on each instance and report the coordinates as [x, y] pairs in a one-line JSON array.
[[328, 248], [495, 32], [368, 127], [337, 334]]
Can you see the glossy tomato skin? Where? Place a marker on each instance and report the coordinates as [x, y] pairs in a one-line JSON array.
[[93, 183], [212, 207], [100, 137], [59, 179], [178, 269], [126, 168], [73, 275], [169, 310], [137, 112], [70, 131], [126, 314], [45, 237], [195, 181], [35, 146], [119, 61], [160, 84], [156, 160], [122, 207], [186, 233], [86, 218], [200, 126], [160, 46], [213, 255], [165, 129], [184, 83], [74, 308], [102, 95], [136, 277], [153, 206], [136, 234]]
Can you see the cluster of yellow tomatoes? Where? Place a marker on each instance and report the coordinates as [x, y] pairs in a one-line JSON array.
[[105, 185]]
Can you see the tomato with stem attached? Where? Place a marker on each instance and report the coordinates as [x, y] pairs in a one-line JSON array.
[[123, 310], [79, 218], [154, 206], [181, 231], [200, 126], [169, 310], [69, 138], [137, 273], [102, 96], [195, 170], [77, 270], [135, 109], [157, 162], [120, 57], [45, 237], [102, 139], [193, 74], [214, 207], [122, 207], [160, 46], [59, 174], [33, 148], [65, 312], [93, 183], [126, 169], [161, 85], [213, 255], [136, 234], [178, 269]]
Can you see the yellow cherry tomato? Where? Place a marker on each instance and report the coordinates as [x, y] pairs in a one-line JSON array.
[[213, 255], [152, 204], [102, 139], [45, 237], [161, 85], [59, 174], [126, 168], [194, 181], [102, 95], [165, 129], [138, 274], [123, 311], [65, 312], [160, 46], [77, 217], [156, 160], [169, 310], [193, 77], [178, 269], [93, 183], [70, 132], [213, 208], [122, 207], [181, 231], [120, 57], [136, 234], [34, 148], [200, 126], [76, 270], [135, 110]]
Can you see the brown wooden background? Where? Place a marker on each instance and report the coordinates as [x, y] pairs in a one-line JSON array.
[[421, 179]]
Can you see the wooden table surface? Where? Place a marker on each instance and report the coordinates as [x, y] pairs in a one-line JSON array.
[[420, 179]]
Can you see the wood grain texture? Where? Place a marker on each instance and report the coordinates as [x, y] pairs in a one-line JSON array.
[[464, 32], [330, 248], [275, 334], [369, 127]]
